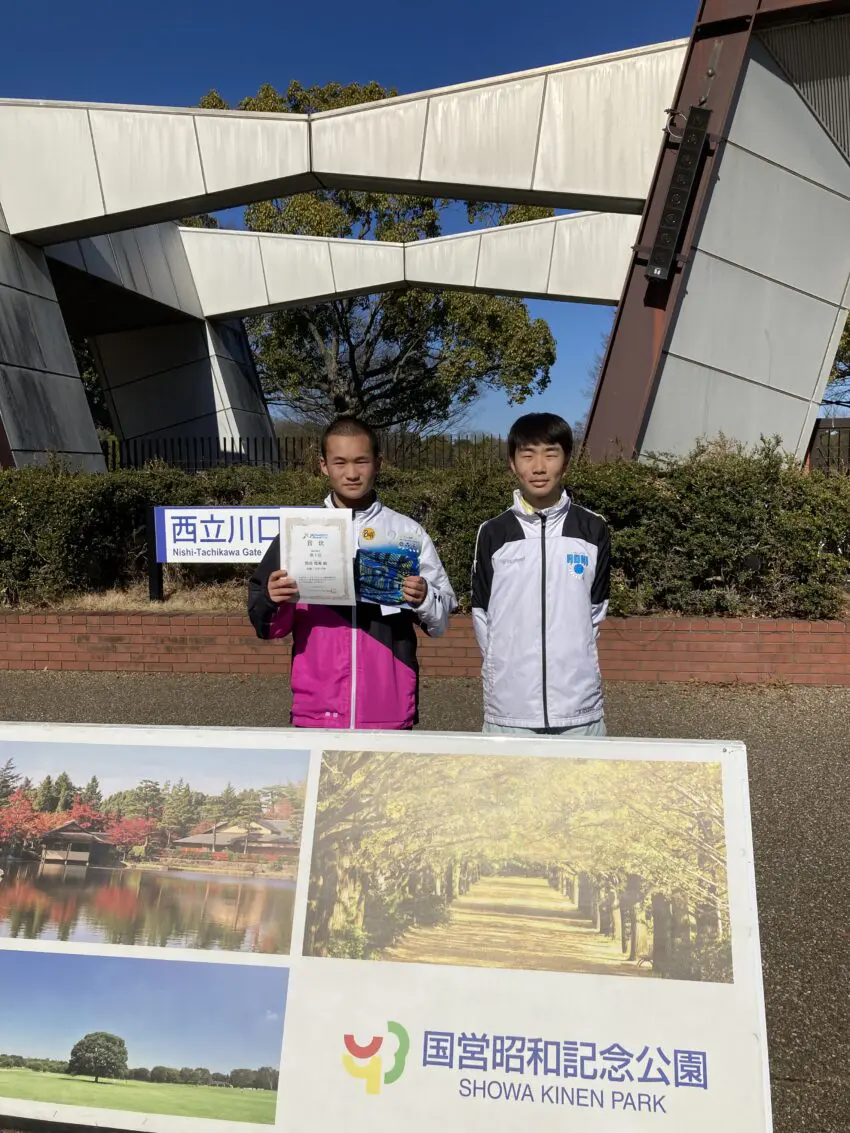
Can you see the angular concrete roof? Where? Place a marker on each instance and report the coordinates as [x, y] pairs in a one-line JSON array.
[[577, 135], [582, 257]]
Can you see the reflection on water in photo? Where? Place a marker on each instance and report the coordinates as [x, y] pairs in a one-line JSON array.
[[165, 908]]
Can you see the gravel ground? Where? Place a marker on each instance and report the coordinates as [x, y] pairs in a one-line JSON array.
[[799, 744]]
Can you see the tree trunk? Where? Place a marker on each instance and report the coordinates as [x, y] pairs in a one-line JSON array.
[[605, 914], [620, 923], [452, 882], [339, 901], [585, 895], [681, 934], [662, 923], [437, 875], [639, 936]]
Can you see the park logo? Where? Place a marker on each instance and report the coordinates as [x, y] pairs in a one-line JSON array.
[[368, 533], [577, 564], [365, 1061]]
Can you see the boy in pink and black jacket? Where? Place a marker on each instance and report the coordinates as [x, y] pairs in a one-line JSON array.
[[355, 666]]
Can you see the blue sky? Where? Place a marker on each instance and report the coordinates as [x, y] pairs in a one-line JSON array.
[[119, 768], [167, 53], [169, 1013]]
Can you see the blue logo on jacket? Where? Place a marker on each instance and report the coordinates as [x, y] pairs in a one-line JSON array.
[[577, 564]]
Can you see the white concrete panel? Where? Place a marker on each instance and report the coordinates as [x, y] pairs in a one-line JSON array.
[[296, 269], [582, 257], [39, 146], [779, 225], [227, 339], [145, 158], [35, 273], [772, 120], [51, 335], [130, 262], [44, 413], [448, 261], [371, 141], [237, 391], [742, 323], [602, 124], [516, 258], [131, 355], [10, 268], [156, 265], [694, 402], [178, 265], [165, 400], [251, 424], [485, 136], [18, 344], [32, 333], [227, 269], [234, 148], [360, 266], [591, 256], [68, 253], [215, 424], [99, 259]]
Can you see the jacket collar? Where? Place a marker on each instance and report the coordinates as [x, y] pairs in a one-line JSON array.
[[365, 515], [557, 511]]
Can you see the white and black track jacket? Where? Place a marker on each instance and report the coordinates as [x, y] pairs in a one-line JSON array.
[[540, 586]]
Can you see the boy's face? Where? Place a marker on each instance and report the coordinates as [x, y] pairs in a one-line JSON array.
[[540, 469], [351, 467]]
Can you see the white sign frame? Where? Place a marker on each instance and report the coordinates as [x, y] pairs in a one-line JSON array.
[[329, 998]]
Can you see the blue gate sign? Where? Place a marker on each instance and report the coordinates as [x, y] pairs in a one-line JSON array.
[[214, 535]]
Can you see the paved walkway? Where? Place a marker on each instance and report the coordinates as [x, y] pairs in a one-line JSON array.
[[515, 922]]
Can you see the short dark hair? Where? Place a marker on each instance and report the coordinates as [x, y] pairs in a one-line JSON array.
[[540, 429], [349, 426]]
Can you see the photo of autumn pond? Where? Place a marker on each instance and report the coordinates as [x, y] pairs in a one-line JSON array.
[[604, 867], [187, 1039], [164, 847]]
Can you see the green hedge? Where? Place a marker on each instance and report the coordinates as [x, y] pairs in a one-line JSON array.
[[721, 532]]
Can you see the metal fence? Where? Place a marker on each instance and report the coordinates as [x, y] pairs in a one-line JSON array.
[[196, 454], [830, 451]]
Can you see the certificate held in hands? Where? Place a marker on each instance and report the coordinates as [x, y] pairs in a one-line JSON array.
[[317, 550]]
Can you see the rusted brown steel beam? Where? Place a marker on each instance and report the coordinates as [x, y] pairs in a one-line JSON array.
[[7, 460], [768, 11], [711, 77]]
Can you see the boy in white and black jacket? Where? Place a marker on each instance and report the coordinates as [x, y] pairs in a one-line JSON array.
[[540, 588]]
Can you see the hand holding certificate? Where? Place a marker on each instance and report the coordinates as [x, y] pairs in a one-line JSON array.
[[317, 552]]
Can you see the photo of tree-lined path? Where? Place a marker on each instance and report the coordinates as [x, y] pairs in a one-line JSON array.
[[605, 867]]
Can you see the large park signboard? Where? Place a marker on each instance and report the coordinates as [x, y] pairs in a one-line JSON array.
[[228, 929]]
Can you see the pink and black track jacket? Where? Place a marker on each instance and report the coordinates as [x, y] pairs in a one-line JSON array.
[[355, 666]]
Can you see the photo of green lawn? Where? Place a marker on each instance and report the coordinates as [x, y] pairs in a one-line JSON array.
[[208, 1102], [197, 1040]]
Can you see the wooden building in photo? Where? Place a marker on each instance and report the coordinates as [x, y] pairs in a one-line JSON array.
[[69, 844], [266, 837]]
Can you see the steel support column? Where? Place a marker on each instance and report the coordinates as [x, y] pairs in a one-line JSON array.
[[711, 78]]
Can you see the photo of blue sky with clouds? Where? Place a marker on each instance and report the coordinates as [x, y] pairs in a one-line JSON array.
[[169, 1013], [170, 54], [121, 767]]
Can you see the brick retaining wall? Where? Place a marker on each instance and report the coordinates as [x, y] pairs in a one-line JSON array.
[[632, 649]]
